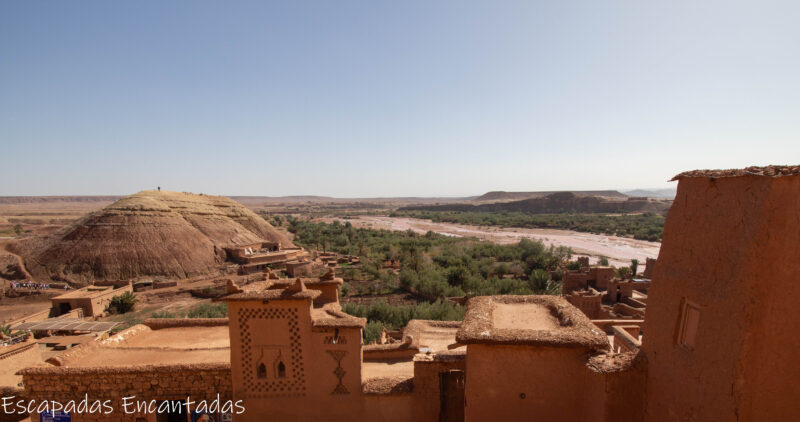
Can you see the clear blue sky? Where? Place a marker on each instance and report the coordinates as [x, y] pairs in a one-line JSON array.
[[391, 98]]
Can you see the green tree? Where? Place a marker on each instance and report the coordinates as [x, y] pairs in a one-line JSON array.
[[163, 314], [622, 272], [209, 310], [122, 304], [634, 266], [372, 332], [603, 261], [18, 229], [538, 280]]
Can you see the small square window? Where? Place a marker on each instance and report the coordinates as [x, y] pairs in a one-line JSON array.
[[687, 326]]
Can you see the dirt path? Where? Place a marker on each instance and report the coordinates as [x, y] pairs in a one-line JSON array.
[[20, 261], [619, 250]]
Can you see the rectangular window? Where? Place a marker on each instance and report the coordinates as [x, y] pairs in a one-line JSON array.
[[687, 327]]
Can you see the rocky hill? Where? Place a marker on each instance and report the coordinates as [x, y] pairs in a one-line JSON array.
[[151, 233], [560, 202], [503, 196]]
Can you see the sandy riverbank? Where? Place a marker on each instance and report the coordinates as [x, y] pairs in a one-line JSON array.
[[619, 250]]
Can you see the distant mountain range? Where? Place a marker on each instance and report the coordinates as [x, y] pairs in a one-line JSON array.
[[554, 202], [488, 197], [668, 193], [503, 196]]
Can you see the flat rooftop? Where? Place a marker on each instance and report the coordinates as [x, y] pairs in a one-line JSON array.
[[71, 324], [435, 335], [523, 315], [767, 171], [86, 292], [536, 320], [141, 345]]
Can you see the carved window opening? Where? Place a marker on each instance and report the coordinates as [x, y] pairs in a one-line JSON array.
[[293, 385], [280, 367], [262, 370]]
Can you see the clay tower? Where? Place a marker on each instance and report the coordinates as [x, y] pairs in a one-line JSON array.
[[720, 339]]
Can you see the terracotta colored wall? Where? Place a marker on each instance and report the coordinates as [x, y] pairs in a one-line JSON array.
[[391, 407], [202, 381], [427, 401], [771, 389], [310, 390], [330, 294], [601, 275], [730, 246], [93, 306], [555, 381], [589, 305], [625, 394], [573, 280]]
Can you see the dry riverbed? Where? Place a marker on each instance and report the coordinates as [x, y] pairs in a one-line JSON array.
[[619, 250]]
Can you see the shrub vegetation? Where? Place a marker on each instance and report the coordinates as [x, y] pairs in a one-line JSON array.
[[434, 266], [647, 226], [122, 303]]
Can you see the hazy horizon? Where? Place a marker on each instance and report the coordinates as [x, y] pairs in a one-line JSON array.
[[365, 99], [342, 197]]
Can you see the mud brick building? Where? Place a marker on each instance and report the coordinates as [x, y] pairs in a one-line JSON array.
[[716, 342]]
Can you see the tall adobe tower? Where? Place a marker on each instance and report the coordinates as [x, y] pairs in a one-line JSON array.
[[720, 335]]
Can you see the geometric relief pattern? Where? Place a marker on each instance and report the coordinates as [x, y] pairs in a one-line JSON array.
[[283, 387], [338, 355], [334, 340]]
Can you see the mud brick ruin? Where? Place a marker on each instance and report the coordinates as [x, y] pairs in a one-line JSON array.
[[713, 342]]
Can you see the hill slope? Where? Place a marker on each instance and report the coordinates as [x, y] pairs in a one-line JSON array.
[[503, 196], [151, 233], [559, 202]]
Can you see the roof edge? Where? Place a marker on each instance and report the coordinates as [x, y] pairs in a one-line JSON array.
[[765, 171]]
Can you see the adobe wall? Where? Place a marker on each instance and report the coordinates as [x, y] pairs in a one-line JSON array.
[[329, 293], [298, 269], [389, 351], [601, 275], [387, 407], [34, 317], [573, 280], [427, 390], [322, 379], [146, 382], [17, 394], [623, 377], [590, 305], [92, 306], [730, 248], [99, 303], [770, 389], [522, 382]]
